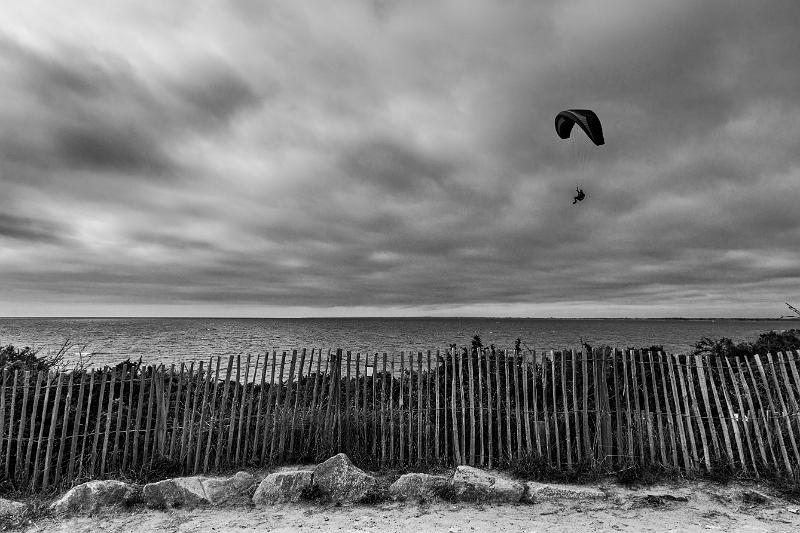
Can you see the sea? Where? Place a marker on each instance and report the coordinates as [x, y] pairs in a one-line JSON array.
[[107, 341]]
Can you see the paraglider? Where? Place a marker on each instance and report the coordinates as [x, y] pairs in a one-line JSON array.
[[579, 197], [587, 120]]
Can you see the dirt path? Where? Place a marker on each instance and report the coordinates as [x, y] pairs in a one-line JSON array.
[[709, 507]]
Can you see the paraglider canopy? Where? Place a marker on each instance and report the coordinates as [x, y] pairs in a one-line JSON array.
[[584, 118]]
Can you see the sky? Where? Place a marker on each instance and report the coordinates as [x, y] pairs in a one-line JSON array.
[[398, 158]]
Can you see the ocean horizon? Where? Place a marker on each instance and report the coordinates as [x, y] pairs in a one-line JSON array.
[[109, 340]]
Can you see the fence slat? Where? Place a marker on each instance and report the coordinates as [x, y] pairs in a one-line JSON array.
[[685, 388], [734, 419], [453, 408], [107, 432], [75, 430], [259, 406], [31, 430], [184, 454], [391, 414], [117, 456], [40, 440], [3, 389], [743, 411], [565, 403], [525, 404], [762, 410], [148, 426], [427, 397], [617, 410], [646, 396], [269, 415], [659, 412], [243, 402], [701, 375], [784, 415], [668, 408], [679, 417], [587, 443], [22, 418], [696, 410], [517, 405], [314, 408], [545, 414], [466, 457], [249, 415], [98, 423], [575, 409], [472, 432], [535, 397], [554, 387], [436, 441], [206, 405], [237, 385], [223, 405], [638, 409], [52, 434], [173, 440], [776, 413]]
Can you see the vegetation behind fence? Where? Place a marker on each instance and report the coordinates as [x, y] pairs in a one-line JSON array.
[[604, 410]]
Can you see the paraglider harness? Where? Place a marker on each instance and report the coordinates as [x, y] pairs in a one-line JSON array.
[[579, 197]]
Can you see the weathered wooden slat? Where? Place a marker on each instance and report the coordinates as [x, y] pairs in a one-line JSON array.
[[345, 422], [701, 376], [545, 410], [304, 399], [575, 409], [12, 415], [587, 443], [268, 414], [696, 410], [207, 405], [565, 403], [234, 410], [259, 406], [475, 370], [635, 392], [191, 446], [525, 403], [535, 396], [679, 416], [276, 428], [646, 395], [466, 454], [659, 413], [784, 414], [630, 453], [85, 425], [73, 449], [52, 433], [427, 397], [184, 454], [778, 414], [163, 448], [150, 415], [670, 420], [472, 422], [491, 424], [384, 409], [743, 414], [598, 409], [22, 419], [98, 424], [31, 430], [554, 390], [3, 438], [517, 405], [314, 408], [620, 452], [42, 425], [117, 450], [685, 386], [732, 416], [176, 415], [222, 411], [391, 415], [457, 457], [109, 417], [767, 430], [245, 399], [437, 406]]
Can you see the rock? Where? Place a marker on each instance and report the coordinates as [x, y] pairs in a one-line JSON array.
[[236, 489], [535, 492], [342, 481], [282, 487], [474, 484], [199, 490], [94, 496], [175, 492], [419, 487], [11, 508]]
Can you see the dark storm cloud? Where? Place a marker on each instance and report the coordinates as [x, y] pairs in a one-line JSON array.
[[381, 155], [29, 229]]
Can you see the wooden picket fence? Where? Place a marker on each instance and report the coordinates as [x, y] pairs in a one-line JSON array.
[[603, 410]]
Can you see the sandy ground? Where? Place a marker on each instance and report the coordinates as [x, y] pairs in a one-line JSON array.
[[709, 507]]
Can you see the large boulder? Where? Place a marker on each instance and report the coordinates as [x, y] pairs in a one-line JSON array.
[[536, 492], [557, 491], [283, 487], [419, 487], [340, 480], [474, 484], [94, 496], [10, 508], [236, 489], [175, 492], [199, 490]]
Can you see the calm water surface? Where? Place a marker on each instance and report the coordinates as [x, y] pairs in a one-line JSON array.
[[173, 340]]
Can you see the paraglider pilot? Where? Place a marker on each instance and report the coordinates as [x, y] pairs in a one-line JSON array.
[[579, 197]]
